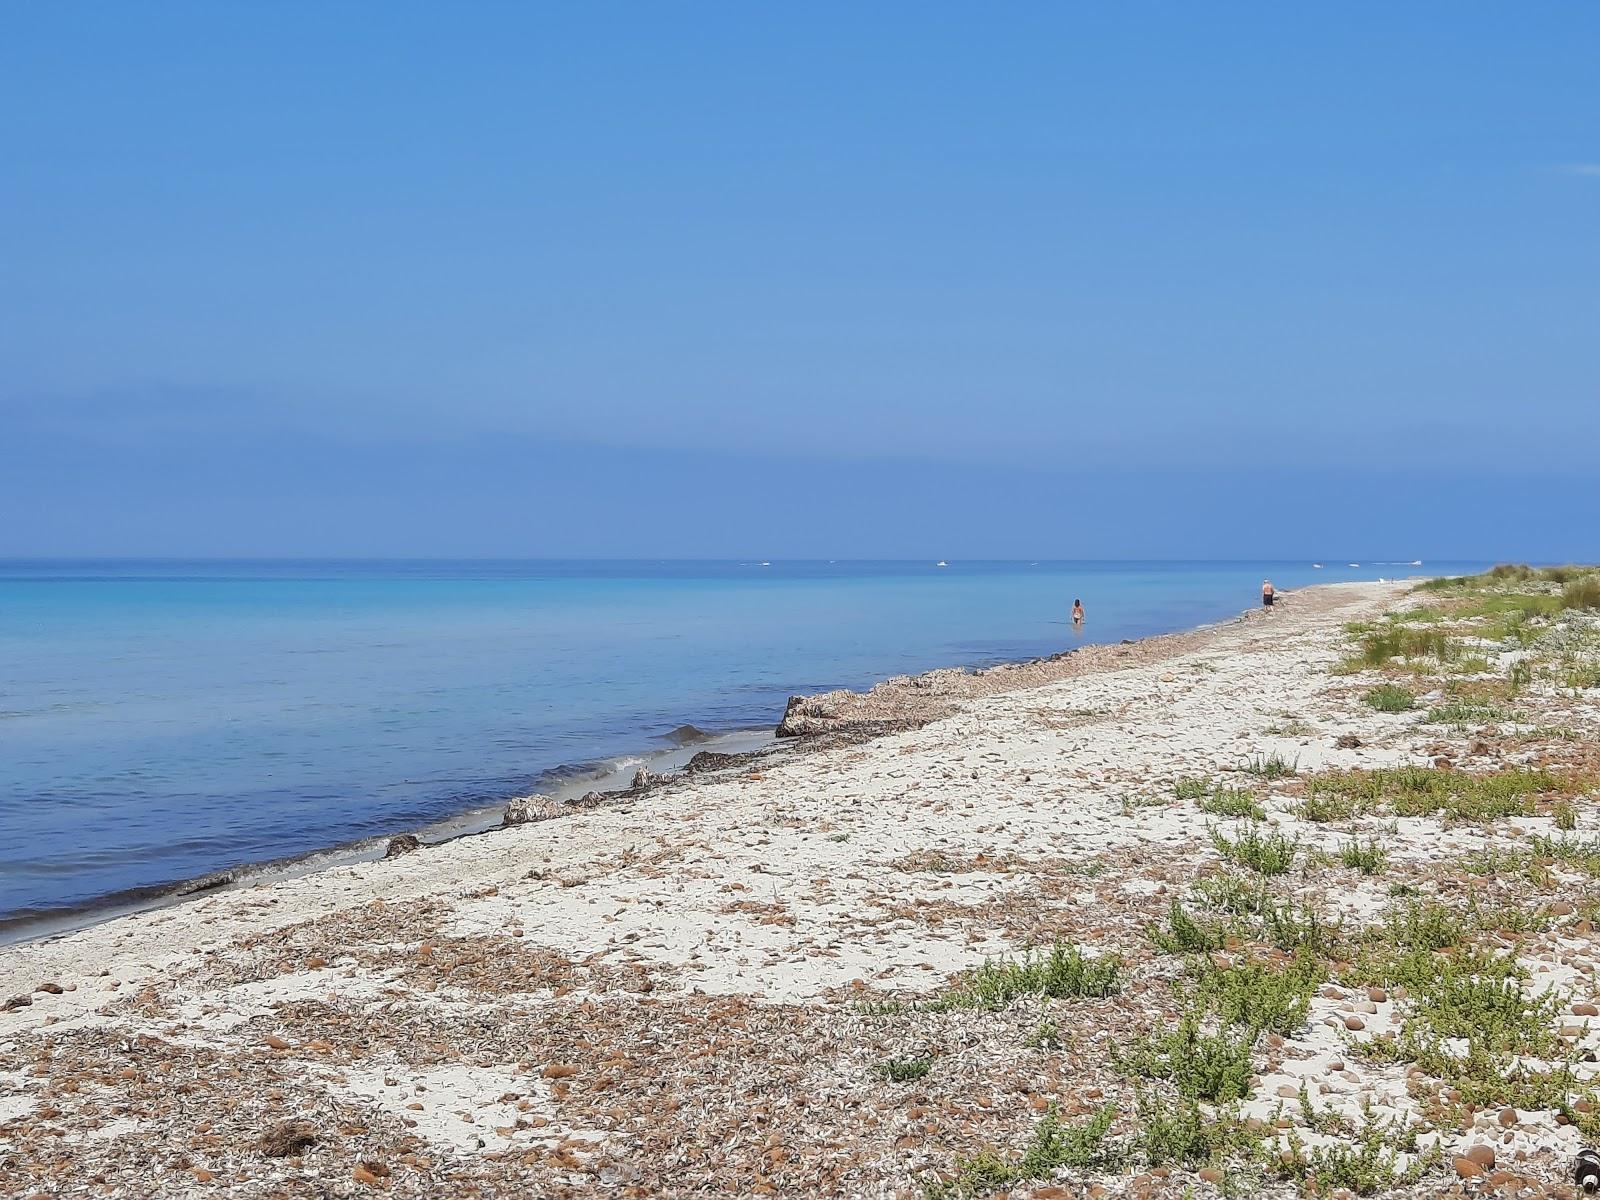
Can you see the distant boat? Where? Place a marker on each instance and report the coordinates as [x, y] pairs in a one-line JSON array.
[[766, 564], [1318, 566], [941, 563], [1355, 564], [1416, 562]]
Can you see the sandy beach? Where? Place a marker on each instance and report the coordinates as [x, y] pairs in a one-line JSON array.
[[705, 988]]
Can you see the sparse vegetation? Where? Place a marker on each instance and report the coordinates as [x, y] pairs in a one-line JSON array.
[[1232, 802], [1518, 676], [1369, 858], [1582, 593], [1425, 791], [1570, 852], [1045, 1036], [1582, 676], [1187, 934], [904, 1070], [1467, 712], [1294, 727], [1371, 1164], [1061, 972], [1390, 698], [1266, 854], [1381, 647], [1259, 997], [1054, 1147], [1202, 1065], [1271, 766], [1181, 1131]]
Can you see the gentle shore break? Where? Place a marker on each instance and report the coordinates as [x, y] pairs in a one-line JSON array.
[[1312, 897]]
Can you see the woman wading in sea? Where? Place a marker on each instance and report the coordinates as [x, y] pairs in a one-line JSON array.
[[1077, 612]]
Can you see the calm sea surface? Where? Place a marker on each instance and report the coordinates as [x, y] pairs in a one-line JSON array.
[[160, 720]]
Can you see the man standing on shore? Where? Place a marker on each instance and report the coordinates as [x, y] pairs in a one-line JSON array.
[[1267, 594]]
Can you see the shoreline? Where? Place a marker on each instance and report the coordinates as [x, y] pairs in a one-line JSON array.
[[770, 980], [892, 704], [568, 784], [895, 705]]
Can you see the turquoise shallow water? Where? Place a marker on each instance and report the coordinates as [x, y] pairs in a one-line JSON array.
[[160, 720]]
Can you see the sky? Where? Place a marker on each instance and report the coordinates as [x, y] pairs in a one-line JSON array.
[[833, 280]]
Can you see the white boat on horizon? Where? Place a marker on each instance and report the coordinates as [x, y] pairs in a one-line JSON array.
[[941, 563], [1318, 566]]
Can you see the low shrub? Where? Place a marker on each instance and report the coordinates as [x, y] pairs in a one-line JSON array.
[[1582, 593]]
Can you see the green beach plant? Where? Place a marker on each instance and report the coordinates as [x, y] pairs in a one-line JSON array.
[[1271, 766], [1232, 802], [1055, 1147], [1266, 854], [1369, 858], [1187, 934], [904, 1070], [1059, 973], [1390, 698]]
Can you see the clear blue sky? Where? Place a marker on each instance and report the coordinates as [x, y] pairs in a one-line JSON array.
[[566, 279]]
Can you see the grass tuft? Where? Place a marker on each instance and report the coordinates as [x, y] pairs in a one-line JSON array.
[[1272, 766], [904, 1070], [1232, 802], [1055, 1147], [1390, 698], [1369, 859], [1062, 972], [1266, 854]]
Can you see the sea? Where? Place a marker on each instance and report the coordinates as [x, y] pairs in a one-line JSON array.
[[164, 720]]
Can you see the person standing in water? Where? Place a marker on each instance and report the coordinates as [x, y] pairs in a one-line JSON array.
[[1077, 612], [1267, 593]]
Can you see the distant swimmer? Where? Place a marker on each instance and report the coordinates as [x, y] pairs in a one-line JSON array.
[[1077, 612], [1267, 593]]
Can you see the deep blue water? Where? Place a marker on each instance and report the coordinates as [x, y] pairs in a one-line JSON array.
[[159, 720]]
